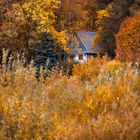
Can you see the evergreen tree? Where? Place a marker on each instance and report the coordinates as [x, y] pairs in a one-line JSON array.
[[46, 55]]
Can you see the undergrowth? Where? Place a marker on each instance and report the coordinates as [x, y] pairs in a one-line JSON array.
[[101, 101]]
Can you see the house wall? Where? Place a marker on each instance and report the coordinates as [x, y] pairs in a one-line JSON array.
[[76, 57], [78, 49], [85, 57]]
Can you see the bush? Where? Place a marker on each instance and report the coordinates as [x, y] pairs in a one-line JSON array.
[[128, 40], [89, 71], [105, 107]]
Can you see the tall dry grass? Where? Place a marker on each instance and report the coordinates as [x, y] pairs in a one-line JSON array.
[[101, 101]]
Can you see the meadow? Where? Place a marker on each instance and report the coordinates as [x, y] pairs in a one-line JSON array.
[[100, 101]]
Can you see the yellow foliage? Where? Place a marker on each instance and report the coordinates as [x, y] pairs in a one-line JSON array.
[[90, 70], [99, 107], [42, 12], [27, 21], [61, 37], [102, 14]]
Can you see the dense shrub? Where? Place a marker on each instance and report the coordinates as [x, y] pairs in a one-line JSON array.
[[89, 71], [71, 107], [128, 40]]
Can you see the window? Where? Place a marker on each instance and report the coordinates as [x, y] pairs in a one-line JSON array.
[[85, 57], [81, 57], [76, 57]]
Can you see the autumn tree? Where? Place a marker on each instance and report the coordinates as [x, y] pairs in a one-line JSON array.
[[74, 15], [109, 20], [25, 22], [128, 40], [135, 7], [5, 29]]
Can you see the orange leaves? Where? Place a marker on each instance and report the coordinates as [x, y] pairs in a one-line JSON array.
[[128, 40], [99, 94], [90, 70]]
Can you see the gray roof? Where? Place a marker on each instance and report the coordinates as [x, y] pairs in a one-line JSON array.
[[87, 39]]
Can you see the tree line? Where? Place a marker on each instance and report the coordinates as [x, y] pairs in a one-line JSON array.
[[23, 22]]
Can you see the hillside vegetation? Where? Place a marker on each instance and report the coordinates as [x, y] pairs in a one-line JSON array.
[[100, 101], [44, 95]]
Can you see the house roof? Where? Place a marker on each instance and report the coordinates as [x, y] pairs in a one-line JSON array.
[[87, 38]]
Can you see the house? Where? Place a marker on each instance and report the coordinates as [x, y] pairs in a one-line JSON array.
[[81, 46]]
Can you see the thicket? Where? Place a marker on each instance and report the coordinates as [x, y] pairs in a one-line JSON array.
[[101, 102], [109, 20]]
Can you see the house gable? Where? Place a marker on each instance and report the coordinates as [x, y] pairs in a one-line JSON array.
[[86, 39], [82, 45]]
